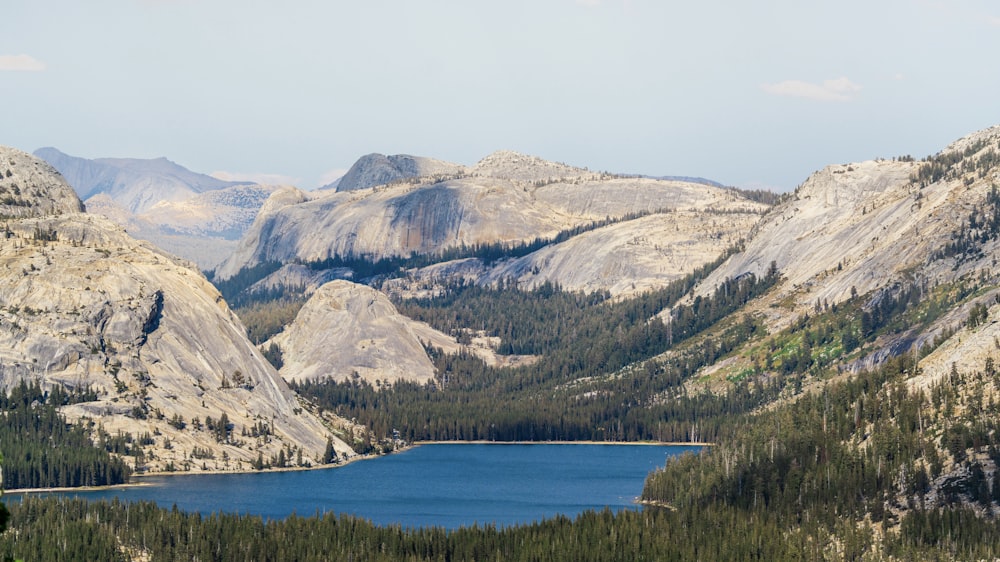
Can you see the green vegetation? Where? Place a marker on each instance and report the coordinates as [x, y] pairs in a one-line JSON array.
[[42, 450], [981, 226], [236, 290], [862, 450], [585, 384]]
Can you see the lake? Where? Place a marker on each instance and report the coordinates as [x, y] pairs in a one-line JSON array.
[[445, 485]]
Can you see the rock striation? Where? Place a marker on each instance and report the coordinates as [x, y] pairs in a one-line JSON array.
[[84, 305]]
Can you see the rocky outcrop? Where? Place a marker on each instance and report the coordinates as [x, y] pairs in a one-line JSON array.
[[378, 169], [82, 304], [624, 258], [870, 227], [27, 189], [348, 331], [506, 198]]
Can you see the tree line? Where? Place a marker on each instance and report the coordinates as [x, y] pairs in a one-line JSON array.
[[41, 449]]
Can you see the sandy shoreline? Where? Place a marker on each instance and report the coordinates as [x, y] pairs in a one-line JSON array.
[[138, 477]]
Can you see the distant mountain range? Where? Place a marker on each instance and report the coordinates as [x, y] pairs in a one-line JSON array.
[[193, 215]]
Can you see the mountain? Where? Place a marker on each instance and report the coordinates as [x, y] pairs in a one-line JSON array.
[[135, 184], [378, 169], [872, 227], [85, 306], [192, 215], [623, 258], [28, 189], [507, 198], [347, 331]]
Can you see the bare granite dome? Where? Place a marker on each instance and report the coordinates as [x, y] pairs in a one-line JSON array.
[[29, 187], [378, 169], [348, 331]]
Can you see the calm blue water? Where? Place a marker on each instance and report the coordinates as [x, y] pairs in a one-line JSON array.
[[447, 485]]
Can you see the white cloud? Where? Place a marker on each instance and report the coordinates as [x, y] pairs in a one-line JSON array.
[[26, 63], [993, 20], [262, 179], [839, 89]]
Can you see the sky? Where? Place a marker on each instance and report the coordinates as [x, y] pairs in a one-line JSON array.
[[752, 94]]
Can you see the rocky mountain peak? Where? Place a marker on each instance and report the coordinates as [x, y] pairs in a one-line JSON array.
[[29, 187], [378, 169], [508, 164]]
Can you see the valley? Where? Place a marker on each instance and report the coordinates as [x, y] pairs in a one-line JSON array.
[[838, 344]]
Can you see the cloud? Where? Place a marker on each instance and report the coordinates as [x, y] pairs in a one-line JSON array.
[[262, 179], [25, 63], [839, 89], [993, 20]]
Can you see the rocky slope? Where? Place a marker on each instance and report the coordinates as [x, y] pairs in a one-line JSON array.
[[378, 169], [875, 228], [349, 331], [27, 188], [622, 259], [82, 304], [507, 197], [868, 226]]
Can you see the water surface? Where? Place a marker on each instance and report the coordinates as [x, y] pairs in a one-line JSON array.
[[447, 485]]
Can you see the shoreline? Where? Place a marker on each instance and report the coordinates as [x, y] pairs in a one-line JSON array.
[[629, 443], [136, 478]]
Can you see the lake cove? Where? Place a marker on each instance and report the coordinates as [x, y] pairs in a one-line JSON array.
[[445, 485]]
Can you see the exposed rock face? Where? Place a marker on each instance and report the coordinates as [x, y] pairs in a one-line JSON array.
[[83, 304], [378, 169], [506, 198], [854, 226], [872, 226], [624, 258], [27, 189], [347, 330], [300, 277]]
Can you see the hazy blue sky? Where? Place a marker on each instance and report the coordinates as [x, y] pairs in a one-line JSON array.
[[746, 93]]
